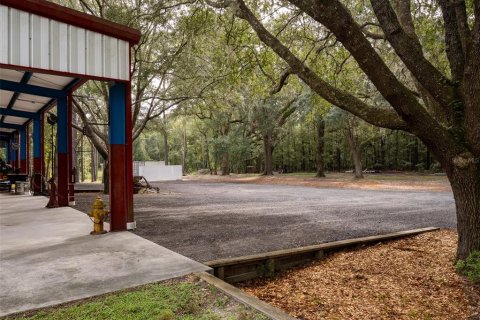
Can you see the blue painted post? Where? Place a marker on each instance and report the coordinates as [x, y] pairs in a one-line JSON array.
[[7, 152], [14, 152], [37, 155], [117, 157], [62, 151], [23, 150]]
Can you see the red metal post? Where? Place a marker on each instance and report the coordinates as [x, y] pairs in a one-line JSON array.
[[129, 156], [71, 181], [15, 150], [23, 142], [37, 154], [42, 144], [28, 150], [62, 151], [117, 157]]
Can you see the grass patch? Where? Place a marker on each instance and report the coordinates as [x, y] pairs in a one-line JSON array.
[[180, 300]]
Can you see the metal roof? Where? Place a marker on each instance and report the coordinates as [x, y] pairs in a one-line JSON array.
[[17, 108], [46, 50]]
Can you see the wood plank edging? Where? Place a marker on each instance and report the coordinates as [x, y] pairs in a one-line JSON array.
[[318, 247], [244, 298]]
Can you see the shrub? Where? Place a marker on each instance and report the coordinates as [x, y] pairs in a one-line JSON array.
[[470, 267]]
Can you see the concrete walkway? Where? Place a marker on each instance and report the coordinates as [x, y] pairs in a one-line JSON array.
[[47, 257]]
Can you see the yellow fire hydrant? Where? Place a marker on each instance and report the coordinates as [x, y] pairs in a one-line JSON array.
[[98, 214]]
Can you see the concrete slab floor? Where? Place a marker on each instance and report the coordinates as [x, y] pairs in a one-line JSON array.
[[47, 257]]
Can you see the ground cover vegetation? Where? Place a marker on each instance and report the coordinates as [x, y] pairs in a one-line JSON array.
[[412, 278], [182, 299], [249, 86]]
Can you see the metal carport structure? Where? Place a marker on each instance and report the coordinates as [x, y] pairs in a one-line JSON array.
[[47, 51]]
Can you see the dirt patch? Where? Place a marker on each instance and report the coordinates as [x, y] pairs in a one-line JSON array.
[[394, 181], [412, 278]]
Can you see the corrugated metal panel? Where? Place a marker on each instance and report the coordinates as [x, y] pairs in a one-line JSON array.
[[37, 42], [58, 46], [40, 51], [111, 57], [94, 53], [123, 55], [4, 32], [77, 50], [19, 38]]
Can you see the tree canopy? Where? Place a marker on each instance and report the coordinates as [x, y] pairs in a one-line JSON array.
[[241, 85]]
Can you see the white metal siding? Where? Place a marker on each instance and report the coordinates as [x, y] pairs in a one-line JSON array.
[[19, 37], [77, 50], [33, 41], [59, 46], [94, 53], [4, 33], [123, 55], [39, 49]]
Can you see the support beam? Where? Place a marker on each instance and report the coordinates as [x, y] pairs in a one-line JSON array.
[[11, 126], [31, 89], [23, 150], [7, 152], [18, 113], [28, 159], [38, 162], [62, 151], [25, 78], [129, 156], [117, 157], [71, 177], [14, 152]]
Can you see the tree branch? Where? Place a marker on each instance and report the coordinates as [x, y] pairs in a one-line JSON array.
[[409, 49], [386, 118], [453, 42], [283, 81]]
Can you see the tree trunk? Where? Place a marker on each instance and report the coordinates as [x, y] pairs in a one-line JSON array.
[[74, 144], [339, 159], [106, 178], [395, 163], [93, 163], [428, 160], [415, 155], [166, 147], [466, 191], [268, 151], [82, 161], [357, 161], [383, 151], [320, 145], [226, 164], [184, 149]]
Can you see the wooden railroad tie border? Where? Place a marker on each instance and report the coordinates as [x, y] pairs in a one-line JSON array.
[[244, 298], [267, 264]]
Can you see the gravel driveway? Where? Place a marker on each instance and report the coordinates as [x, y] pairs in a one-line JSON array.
[[207, 221]]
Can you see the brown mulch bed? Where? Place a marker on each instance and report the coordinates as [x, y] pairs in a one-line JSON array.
[[411, 278], [392, 182]]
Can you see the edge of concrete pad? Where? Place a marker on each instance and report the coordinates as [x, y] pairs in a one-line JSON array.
[[318, 247], [246, 299]]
